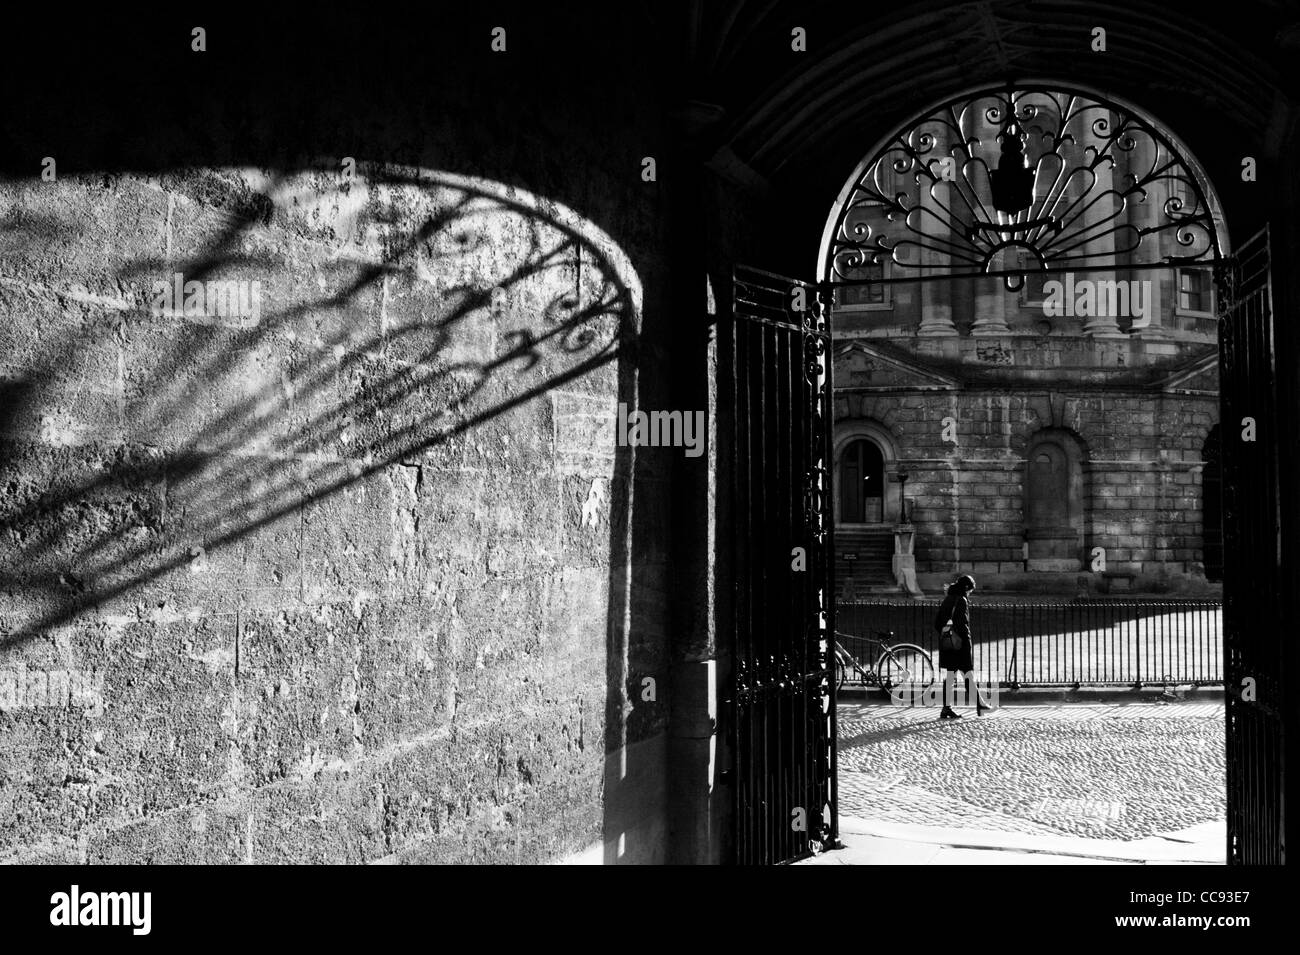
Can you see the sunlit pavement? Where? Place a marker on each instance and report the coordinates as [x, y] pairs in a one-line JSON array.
[[1078, 783]]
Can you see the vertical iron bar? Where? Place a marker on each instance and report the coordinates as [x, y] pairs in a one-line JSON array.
[[824, 316]]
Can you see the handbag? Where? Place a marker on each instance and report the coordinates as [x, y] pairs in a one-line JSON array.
[[949, 639]]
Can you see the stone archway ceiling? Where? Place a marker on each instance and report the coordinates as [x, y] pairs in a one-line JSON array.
[[872, 63]]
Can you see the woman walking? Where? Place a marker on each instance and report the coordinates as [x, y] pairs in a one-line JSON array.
[[958, 657]]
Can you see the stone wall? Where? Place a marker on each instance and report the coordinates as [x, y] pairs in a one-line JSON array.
[[332, 565], [965, 453]]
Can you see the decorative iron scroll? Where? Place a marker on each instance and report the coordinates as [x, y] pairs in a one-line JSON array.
[[1024, 178]]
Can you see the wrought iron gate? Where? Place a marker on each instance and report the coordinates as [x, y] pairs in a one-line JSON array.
[[1253, 628], [776, 356]]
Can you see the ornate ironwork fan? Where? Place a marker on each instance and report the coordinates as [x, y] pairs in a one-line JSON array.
[[1050, 176]]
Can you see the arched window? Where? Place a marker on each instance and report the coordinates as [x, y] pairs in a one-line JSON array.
[[1049, 482], [1012, 181], [1212, 506], [1054, 496], [862, 483]]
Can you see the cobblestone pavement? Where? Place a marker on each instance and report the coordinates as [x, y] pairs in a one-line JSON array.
[[1108, 771]]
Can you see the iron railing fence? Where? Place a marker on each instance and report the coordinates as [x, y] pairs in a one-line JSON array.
[[1094, 642]]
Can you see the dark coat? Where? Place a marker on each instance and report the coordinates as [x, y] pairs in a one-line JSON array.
[[963, 659]]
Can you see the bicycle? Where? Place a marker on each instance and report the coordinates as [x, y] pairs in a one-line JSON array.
[[899, 664]]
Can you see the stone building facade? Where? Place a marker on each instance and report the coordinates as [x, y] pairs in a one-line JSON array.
[[1045, 457]]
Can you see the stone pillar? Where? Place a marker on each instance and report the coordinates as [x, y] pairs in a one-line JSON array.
[[990, 309], [990, 295], [1097, 217], [697, 811], [1145, 215], [936, 297]]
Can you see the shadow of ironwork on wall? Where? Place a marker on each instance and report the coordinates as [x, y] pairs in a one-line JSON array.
[[444, 303], [221, 391]]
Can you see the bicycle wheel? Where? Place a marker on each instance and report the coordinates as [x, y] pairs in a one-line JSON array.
[[905, 665]]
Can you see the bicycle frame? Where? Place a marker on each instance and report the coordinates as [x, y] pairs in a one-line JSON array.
[[869, 673], [867, 670]]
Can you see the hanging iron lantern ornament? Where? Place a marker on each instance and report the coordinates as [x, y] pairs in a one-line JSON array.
[[1012, 181]]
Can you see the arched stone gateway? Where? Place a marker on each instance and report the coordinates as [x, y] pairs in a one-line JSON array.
[[1038, 257], [1019, 289], [509, 650], [1023, 178]]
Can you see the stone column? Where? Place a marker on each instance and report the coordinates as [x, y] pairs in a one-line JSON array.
[[990, 294], [1144, 215], [696, 809], [936, 297], [990, 309], [1097, 217]]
